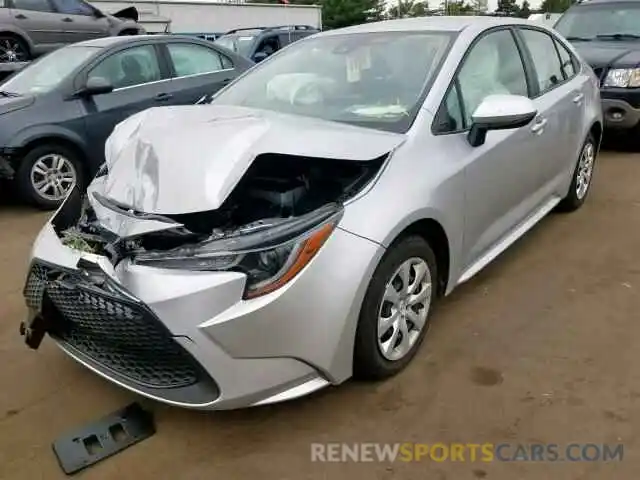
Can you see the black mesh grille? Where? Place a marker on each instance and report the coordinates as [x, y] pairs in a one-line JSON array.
[[34, 286], [115, 332]]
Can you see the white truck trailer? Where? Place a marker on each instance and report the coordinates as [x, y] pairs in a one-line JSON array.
[[213, 16]]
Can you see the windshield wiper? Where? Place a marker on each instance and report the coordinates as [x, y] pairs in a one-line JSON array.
[[619, 36], [579, 39], [8, 94]]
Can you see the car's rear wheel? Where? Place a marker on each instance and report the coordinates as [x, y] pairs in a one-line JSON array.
[[47, 173], [582, 177], [13, 49], [395, 312]]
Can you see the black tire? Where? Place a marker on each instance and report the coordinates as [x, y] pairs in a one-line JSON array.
[[369, 363], [573, 201], [25, 180], [16, 45]]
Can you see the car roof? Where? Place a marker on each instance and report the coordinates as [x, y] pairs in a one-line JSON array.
[[433, 23], [107, 42]]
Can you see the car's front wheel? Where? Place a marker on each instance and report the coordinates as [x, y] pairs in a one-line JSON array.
[[47, 173], [582, 177], [395, 312]]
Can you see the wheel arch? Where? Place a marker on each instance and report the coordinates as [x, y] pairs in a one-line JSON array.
[[596, 130], [432, 231], [19, 34], [67, 140]]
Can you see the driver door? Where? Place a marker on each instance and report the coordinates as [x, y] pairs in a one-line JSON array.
[[139, 83], [502, 175]]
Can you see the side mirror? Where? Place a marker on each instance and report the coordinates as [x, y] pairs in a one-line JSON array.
[[96, 86], [500, 112], [98, 13], [259, 56]]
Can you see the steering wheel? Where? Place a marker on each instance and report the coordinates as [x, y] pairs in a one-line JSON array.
[[308, 94]]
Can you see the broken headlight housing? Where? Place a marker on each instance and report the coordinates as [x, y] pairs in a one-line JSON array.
[[270, 255]]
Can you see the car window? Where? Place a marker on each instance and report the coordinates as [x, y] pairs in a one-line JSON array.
[[567, 62], [545, 58], [363, 79], [587, 22], [450, 117], [492, 66], [130, 67], [189, 59], [34, 5], [269, 45], [73, 7]]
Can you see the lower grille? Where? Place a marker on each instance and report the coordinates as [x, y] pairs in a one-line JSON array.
[[115, 332]]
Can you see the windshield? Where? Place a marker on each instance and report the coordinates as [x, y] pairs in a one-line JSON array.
[[241, 44], [45, 74], [371, 79], [590, 22]]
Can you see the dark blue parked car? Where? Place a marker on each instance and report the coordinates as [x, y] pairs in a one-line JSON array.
[[56, 113]]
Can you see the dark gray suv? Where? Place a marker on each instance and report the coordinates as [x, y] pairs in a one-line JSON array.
[[29, 28]]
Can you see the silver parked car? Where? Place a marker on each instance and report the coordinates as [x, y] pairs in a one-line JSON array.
[[298, 230], [30, 28]]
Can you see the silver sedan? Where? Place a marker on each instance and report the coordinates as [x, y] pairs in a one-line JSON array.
[[298, 230]]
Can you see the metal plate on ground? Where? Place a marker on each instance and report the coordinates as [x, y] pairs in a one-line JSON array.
[[103, 438]]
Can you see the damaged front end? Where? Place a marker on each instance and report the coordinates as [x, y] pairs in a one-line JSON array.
[[271, 225], [269, 228]]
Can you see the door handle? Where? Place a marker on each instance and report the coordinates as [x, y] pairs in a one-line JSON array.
[[163, 97], [21, 16], [67, 19], [578, 98], [538, 127]]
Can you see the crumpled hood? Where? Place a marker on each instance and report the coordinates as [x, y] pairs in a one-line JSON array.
[[609, 53], [173, 160]]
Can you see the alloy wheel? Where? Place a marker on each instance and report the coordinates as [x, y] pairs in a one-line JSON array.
[[585, 170], [12, 50], [53, 176]]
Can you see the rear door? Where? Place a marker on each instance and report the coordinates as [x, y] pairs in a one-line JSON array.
[[39, 20], [140, 81], [559, 112], [197, 70], [78, 21]]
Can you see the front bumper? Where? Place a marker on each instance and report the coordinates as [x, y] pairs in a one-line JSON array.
[[619, 114], [188, 338], [620, 107]]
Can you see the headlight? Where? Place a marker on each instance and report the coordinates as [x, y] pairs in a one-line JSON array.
[[269, 256], [623, 77]]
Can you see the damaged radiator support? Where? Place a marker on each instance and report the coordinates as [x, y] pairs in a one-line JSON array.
[[276, 188]]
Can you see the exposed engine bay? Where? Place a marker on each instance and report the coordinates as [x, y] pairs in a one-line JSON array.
[[277, 191]]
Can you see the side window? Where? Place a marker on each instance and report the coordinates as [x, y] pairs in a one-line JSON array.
[[130, 67], [545, 58], [269, 45], [190, 59], [567, 62], [492, 66], [450, 117], [34, 5], [73, 7]]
